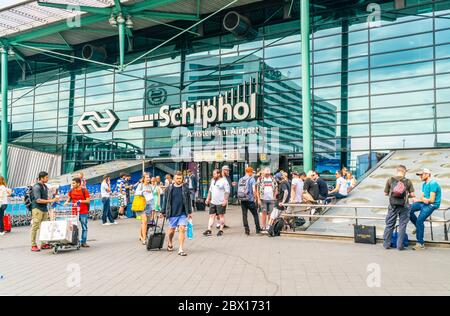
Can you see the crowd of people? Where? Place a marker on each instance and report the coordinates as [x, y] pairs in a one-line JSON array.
[[263, 193]]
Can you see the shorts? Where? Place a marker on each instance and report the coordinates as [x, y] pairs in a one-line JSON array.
[[174, 222], [217, 209], [122, 200], [149, 207], [267, 206]]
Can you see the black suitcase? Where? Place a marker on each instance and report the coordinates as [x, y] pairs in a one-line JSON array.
[[365, 234], [75, 238], [156, 236], [200, 205]]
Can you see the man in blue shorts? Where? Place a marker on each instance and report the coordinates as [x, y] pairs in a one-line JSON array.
[[177, 210]]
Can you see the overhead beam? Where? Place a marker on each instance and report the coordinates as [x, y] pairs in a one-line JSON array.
[[49, 46], [84, 8], [170, 15], [147, 5], [54, 28]]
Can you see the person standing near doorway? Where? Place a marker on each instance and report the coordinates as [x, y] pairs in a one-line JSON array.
[[246, 194], [192, 182], [218, 195], [267, 190]]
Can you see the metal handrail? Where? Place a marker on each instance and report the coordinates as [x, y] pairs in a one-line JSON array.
[[356, 217]]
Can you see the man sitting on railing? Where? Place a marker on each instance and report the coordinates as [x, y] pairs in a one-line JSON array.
[[430, 201]]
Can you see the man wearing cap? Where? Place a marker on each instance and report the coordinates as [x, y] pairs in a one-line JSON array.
[[430, 201], [226, 175]]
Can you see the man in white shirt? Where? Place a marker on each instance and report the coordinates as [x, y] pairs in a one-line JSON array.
[[297, 186], [341, 189], [218, 195], [105, 190]]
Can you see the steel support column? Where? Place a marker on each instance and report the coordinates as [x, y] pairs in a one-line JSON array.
[[306, 86], [121, 45], [4, 129]]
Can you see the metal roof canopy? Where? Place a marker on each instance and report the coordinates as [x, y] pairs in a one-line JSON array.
[[34, 27]]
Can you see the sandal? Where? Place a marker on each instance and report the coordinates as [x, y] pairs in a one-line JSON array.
[[169, 248], [182, 253]]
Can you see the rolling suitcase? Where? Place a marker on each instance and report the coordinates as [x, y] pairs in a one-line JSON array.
[[156, 236], [200, 205], [7, 223]]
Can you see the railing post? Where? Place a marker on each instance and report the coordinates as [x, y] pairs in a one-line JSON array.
[[445, 226], [356, 216], [431, 229]]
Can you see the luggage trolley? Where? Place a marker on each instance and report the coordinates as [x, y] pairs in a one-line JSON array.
[[63, 228]]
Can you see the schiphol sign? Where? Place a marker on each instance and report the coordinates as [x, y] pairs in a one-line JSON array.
[[237, 105]]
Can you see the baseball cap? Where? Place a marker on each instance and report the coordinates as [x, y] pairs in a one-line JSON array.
[[424, 170], [225, 167], [278, 175]]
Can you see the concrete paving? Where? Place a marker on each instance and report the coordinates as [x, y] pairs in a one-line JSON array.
[[234, 264]]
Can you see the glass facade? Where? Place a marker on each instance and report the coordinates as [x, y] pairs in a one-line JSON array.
[[376, 87]]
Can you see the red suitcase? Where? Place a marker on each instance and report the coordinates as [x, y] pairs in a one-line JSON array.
[[7, 223]]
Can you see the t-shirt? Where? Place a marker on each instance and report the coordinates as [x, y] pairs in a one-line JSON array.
[[218, 189], [343, 186], [103, 190], [40, 191], [312, 188], [3, 195], [407, 182], [268, 189], [120, 186], [80, 195], [298, 183], [145, 191], [176, 203], [284, 186], [432, 186], [323, 187]]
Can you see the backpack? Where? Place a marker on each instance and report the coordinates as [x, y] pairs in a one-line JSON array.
[[243, 193], [276, 228], [27, 198], [398, 192]]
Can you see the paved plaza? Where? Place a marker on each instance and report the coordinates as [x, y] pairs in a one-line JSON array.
[[234, 264]]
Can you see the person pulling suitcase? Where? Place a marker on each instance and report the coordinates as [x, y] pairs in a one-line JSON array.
[[177, 210]]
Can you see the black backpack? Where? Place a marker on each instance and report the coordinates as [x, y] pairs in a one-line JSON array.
[[27, 198], [276, 228]]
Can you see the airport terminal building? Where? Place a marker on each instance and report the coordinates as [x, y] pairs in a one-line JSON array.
[[228, 89]]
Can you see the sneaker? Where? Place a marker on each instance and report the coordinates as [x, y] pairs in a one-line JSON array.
[[217, 226], [115, 223], [35, 249], [2, 234], [219, 233], [46, 247], [226, 227], [207, 233], [418, 247], [247, 232], [106, 224], [85, 246]]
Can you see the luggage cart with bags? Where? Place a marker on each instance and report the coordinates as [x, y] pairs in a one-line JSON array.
[[62, 230]]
